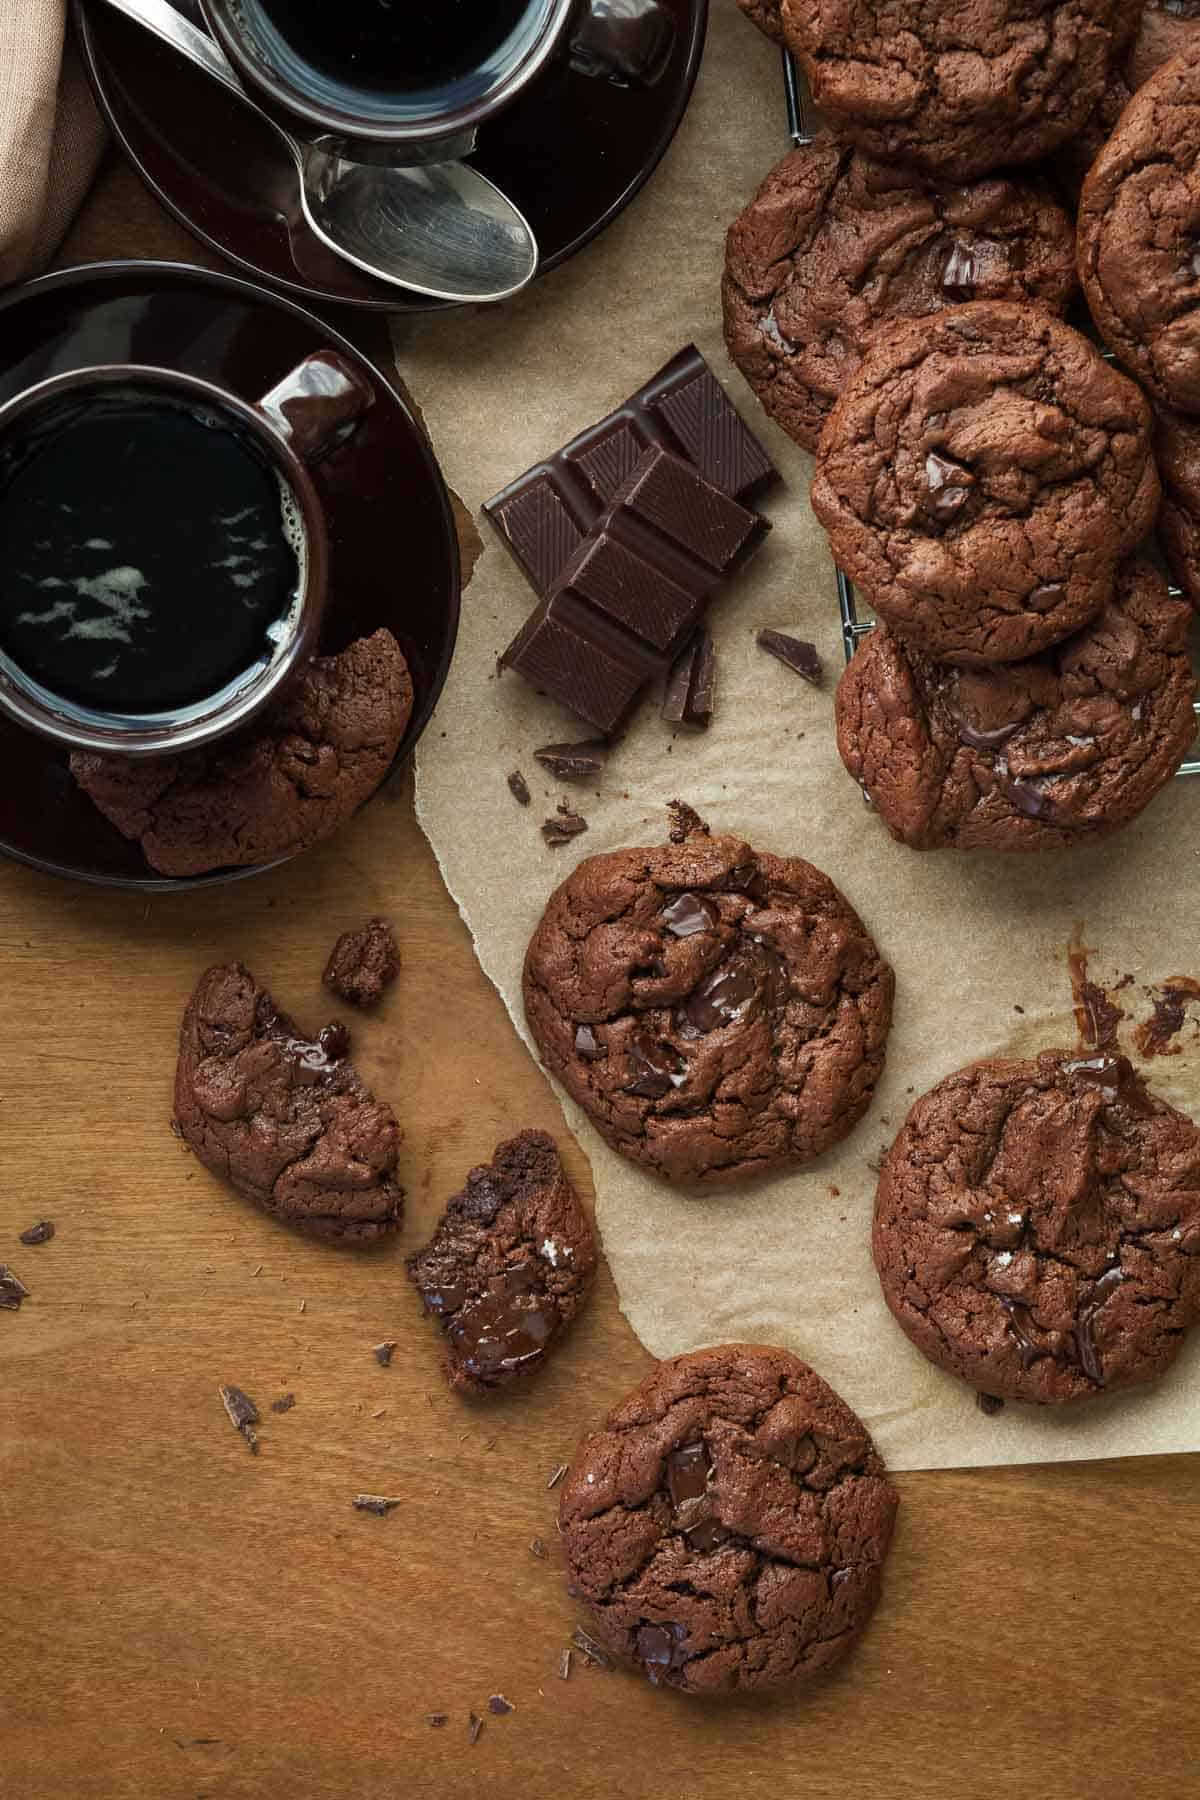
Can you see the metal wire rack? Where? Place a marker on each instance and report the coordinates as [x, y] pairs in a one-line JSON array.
[[853, 627]]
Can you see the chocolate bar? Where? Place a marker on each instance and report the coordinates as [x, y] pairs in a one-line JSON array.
[[544, 516], [635, 589]]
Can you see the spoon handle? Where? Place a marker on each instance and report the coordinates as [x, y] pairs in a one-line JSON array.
[[160, 17]]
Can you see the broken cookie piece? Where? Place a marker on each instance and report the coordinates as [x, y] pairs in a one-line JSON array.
[[509, 1265], [363, 963], [282, 1116]]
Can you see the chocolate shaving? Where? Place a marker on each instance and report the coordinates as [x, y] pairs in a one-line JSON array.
[[284, 1404], [557, 1476], [383, 1353], [685, 822], [796, 654], [564, 1666], [518, 787], [378, 1504], [474, 1727], [587, 1646], [536, 1547], [243, 1414], [499, 1705], [39, 1234], [574, 762], [564, 827]]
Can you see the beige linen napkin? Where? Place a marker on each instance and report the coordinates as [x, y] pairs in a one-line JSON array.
[[51, 136]]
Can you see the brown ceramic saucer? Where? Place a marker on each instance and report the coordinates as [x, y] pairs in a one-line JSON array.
[[571, 153], [394, 552]]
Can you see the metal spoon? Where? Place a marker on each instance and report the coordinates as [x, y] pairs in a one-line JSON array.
[[441, 229]]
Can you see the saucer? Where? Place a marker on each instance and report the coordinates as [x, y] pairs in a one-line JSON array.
[[571, 152], [394, 552]]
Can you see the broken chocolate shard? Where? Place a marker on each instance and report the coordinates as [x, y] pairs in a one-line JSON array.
[[383, 1353], [685, 822], [544, 515], [12, 1290], [243, 1414], [537, 1548], [573, 762], [690, 913], [334, 1041], [284, 1403], [39, 1234], [564, 1666], [587, 1044], [587, 1646], [690, 695], [796, 654], [518, 787], [474, 1727], [379, 1504], [557, 1476], [499, 1705], [563, 827]]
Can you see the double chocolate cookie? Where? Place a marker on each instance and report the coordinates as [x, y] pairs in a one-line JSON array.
[[279, 788], [956, 87], [1177, 448], [1037, 1227], [283, 1117], [717, 1012], [509, 1266], [729, 1524], [1165, 27], [835, 243], [1060, 750], [1139, 234], [981, 477], [766, 14]]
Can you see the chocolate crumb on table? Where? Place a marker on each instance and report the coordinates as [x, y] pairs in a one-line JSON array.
[[589, 1648], [685, 822], [474, 1727], [518, 787], [379, 1504], [510, 1265], [564, 1666], [561, 829], [574, 762], [437, 1720], [384, 1352], [12, 1290], [243, 1414], [40, 1233], [499, 1705], [363, 963], [284, 1404], [796, 654]]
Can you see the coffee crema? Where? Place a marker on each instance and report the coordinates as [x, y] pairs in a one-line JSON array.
[[150, 555]]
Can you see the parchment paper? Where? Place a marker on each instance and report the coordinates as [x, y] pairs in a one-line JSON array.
[[973, 939]]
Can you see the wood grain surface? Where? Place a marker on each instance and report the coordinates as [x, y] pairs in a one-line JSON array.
[[181, 1619]]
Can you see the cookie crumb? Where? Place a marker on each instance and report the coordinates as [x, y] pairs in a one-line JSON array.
[[437, 1720], [363, 963], [561, 829], [284, 1403], [243, 1414], [685, 822], [384, 1352], [518, 787]]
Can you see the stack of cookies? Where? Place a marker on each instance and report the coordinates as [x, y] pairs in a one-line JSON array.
[[894, 294]]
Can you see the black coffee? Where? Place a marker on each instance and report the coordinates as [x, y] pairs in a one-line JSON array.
[[391, 46], [148, 556]]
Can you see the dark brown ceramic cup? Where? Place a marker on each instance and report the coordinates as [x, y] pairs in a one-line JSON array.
[[313, 408]]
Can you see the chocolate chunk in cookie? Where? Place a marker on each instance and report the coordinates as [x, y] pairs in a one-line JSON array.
[[953, 86], [1165, 27], [284, 785], [1040, 755], [509, 1266], [835, 243], [729, 1524], [982, 476], [1139, 235], [1177, 448], [717, 1012], [283, 1117], [1037, 1227], [363, 963]]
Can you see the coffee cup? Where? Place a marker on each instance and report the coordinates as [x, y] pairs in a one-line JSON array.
[[389, 78], [164, 553]]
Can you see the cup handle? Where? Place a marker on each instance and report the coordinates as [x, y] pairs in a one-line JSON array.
[[318, 404]]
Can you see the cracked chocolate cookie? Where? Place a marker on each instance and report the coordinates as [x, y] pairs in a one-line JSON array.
[[834, 243], [1139, 235], [1164, 29], [1046, 754], [509, 1266], [717, 1012], [729, 1524], [283, 1117], [1070, 165], [1177, 448], [1037, 1227], [981, 477], [287, 783], [363, 964], [955, 87]]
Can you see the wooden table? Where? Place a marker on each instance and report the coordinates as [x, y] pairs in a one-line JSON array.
[[182, 1619]]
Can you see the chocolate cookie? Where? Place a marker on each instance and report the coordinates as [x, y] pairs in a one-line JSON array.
[[1139, 248], [508, 1267], [729, 1524], [1177, 448], [1046, 754], [716, 1011], [1071, 165], [834, 243], [281, 787], [981, 477], [1165, 28], [1037, 1227], [363, 963], [766, 14], [950, 85], [283, 1117]]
